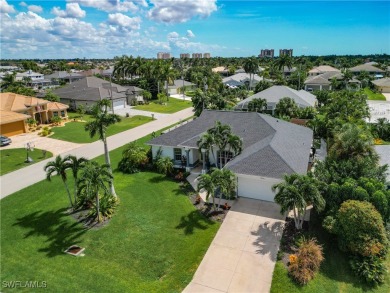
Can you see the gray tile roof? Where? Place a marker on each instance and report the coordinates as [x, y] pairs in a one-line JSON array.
[[271, 147], [382, 82], [365, 67], [64, 75], [275, 93], [177, 83], [90, 89]]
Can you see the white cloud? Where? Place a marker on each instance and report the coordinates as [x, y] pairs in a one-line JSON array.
[[122, 20], [23, 4], [72, 10], [176, 11], [6, 8], [190, 34], [112, 5], [35, 8]]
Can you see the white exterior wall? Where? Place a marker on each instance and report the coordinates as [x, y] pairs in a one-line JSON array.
[[166, 151], [256, 187]]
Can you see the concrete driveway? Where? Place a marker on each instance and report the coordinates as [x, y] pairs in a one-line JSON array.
[[242, 256]]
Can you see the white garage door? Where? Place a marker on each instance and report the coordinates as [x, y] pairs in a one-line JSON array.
[[118, 104], [256, 188]]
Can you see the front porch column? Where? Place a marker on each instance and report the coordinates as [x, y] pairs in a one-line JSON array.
[[187, 150], [204, 160]]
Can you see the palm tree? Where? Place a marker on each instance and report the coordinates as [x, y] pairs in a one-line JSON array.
[[382, 124], [75, 164], [251, 66], [93, 179], [225, 179], [102, 120], [164, 165], [296, 193], [206, 183], [58, 166], [234, 145], [207, 142]]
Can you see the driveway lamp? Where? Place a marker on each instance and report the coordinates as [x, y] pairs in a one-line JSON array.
[[29, 147]]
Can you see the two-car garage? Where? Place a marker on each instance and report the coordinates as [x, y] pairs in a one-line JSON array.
[[256, 187]]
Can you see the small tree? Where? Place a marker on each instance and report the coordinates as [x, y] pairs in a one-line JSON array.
[[165, 165], [81, 110], [56, 120], [133, 156]]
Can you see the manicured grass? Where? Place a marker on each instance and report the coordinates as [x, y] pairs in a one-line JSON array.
[[373, 96], [172, 106], [335, 274], [13, 159], [154, 242], [75, 132]]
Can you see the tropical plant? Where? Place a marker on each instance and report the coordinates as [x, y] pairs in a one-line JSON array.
[[225, 181], [296, 192], [81, 110], [56, 120], [133, 157], [58, 167], [95, 179], [251, 66], [306, 262], [107, 207], [102, 120], [371, 268], [206, 183], [165, 165], [286, 107], [257, 105], [75, 164]]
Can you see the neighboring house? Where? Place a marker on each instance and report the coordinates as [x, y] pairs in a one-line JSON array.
[[64, 76], [372, 70], [275, 93], [89, 90], [322, 69], [271, 148], [287, 71], [382, 85], [324, 81], [16, 109], [134, 94], [241, 79], [34, 80], [177, 84]]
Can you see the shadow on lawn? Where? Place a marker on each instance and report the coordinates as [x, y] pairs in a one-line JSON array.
[[194, 220], [59, 231]]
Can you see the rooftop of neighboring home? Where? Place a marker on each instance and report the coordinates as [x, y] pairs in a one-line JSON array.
[[64, 75], [366, 67], [275, 93], [385, 82], [219, 69], [322, 69], [29, 74], [240, 78], [91, 88], [325, 78], [133, 89], [271, 147], [177, 83]]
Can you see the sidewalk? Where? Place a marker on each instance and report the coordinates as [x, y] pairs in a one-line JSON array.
[[27, 176]]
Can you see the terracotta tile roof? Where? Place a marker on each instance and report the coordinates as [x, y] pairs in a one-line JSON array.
[[54, 106], [8, 117], [12, 102]]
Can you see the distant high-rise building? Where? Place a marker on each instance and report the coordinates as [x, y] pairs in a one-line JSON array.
[[206, 55], [163, 55], [196, 55], [185, 55], [288, 52], [267, 53]]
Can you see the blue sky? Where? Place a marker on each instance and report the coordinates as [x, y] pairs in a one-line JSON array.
[[108, 28]]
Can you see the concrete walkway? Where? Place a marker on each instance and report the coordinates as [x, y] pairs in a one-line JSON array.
[[27, 176], [242, 256]]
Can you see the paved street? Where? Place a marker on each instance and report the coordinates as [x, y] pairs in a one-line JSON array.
[[27, 176]]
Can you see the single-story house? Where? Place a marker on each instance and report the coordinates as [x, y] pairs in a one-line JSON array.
[[382, 85], [89, 90], [16, 109], [322, 69], [134, 95], [241, 79], [371, 69], [275, 93], [177, 84], [324, 81], [271, 148]]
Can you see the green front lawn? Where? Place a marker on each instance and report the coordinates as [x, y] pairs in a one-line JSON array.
[[13, 159], [172, 106], [75, 132], [335, 274], [154, 242], [373, 96]]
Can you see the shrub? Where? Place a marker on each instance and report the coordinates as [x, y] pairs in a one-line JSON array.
[[133, 159], [360, 229], [371, 268], [107, 204], [164, 165], [306, 262]]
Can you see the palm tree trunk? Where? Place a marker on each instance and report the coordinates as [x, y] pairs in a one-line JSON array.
[[296, 219], [108, 162], [98, 206], [67, 190], [75, 190]]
